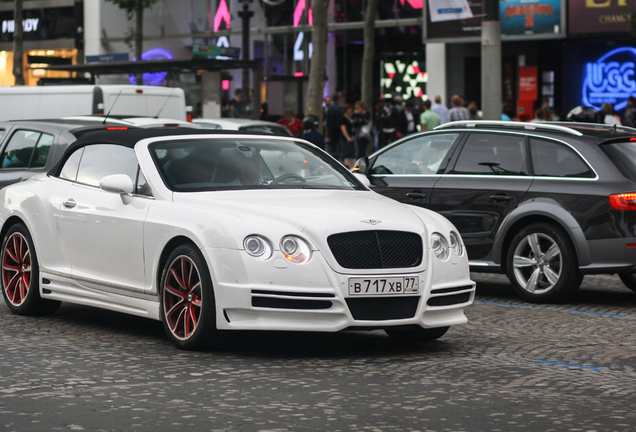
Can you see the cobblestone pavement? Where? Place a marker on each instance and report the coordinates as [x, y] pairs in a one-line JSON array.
[[515, 366]]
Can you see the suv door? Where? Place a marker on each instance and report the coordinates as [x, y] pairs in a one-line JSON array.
[[485, 182], [408, 170]]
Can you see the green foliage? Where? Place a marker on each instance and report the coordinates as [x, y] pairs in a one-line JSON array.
[[130, 7], [630, 18]]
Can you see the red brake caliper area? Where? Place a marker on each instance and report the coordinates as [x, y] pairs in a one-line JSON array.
[[182, 297], [16, 269]]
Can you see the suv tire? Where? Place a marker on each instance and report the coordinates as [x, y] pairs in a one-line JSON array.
[[541, 264]]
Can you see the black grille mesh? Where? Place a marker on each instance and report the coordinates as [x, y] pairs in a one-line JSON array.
[[376, 249]]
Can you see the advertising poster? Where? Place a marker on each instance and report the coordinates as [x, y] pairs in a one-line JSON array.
[[448, 10], [457, 28], [530, 17], [598, 16]]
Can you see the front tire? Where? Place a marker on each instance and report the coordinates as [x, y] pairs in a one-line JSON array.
[[188, 308], [21, 274], [415, 333], [541, 264]]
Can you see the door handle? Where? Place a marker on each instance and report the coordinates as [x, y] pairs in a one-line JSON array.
[[500, 198], [416, 195], [69, 203]]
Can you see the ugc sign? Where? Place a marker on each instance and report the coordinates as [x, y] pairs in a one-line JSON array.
[[610, 79]]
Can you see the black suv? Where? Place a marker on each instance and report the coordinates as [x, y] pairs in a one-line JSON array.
[[545, 203]]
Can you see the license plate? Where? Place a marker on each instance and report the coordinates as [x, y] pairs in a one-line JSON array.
[[384, 286]]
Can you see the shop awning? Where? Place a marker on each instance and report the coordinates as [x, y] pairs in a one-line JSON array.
[[133, 67]]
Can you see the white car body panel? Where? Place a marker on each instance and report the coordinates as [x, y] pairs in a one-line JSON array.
[[128, 235]]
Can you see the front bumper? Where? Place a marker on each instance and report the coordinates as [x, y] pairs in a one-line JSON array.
[[276, 295]]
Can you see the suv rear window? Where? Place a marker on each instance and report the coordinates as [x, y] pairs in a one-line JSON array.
[[623, 155], [552, 159]]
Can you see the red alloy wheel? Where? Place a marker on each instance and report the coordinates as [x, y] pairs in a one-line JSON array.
[[16, 269], [182, 297]]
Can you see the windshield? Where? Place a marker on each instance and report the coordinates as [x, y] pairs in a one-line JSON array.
[[623, 155], [193, 165]]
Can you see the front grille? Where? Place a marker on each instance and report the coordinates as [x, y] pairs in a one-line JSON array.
[[376, 249], [383, 308]]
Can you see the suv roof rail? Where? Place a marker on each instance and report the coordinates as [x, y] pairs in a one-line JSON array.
[[510, 124], [609, 127]]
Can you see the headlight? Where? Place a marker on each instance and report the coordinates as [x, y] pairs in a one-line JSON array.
[[258, 247], [439, 244], [295, 249], [456, 243]]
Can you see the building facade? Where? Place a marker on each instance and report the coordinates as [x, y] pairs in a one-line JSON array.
[[571, 52]]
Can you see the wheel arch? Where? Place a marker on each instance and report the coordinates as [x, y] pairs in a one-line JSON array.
[[535, 212], [174, 243], [11, 221]]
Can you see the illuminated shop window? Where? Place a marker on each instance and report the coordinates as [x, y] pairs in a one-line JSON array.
[[404, 79]]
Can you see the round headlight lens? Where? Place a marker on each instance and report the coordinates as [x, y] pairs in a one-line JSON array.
[[439, 244], [258, 247], [456, 243], [295, 249]]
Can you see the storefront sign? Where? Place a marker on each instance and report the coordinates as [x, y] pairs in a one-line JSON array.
[[456, 29], [41, 24], [528, 83], [598, 16], [530, 17], [448, 10], [28, 25], [612, 78]]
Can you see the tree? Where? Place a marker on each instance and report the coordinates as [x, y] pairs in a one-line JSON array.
[[135, 9], [18, 65], [317, 69], [368, 54]]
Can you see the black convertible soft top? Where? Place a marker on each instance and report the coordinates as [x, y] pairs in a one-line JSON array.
[[130, 137]]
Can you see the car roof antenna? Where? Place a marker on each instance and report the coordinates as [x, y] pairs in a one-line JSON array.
[[111, 107], [165, 102]]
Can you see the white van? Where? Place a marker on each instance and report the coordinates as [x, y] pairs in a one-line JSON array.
[[44, 102]]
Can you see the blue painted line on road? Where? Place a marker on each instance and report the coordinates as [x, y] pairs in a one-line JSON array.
[[503, 304], [569, 365], [598, 313]]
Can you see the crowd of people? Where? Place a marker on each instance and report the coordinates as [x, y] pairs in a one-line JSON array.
[[349, 133]]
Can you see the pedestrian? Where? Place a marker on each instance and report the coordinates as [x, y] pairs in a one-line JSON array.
[[387, 122], [608, 115], [333, 121], [347, 145], [458, 112], [237, 105], [440, 109], [474, 111], [429, 119], [362, 127], [291, 122], [407, 120], [629, 119], [311, 134]]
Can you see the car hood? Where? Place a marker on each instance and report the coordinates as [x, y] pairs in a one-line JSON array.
[[318, 213]]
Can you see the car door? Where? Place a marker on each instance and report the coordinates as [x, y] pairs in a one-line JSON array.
[[102, 230], [484, 183], [408, 170]]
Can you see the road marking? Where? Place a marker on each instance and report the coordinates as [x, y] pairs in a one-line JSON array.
[[569, 365]]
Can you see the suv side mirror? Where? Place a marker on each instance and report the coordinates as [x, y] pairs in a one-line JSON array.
[[361, 166]]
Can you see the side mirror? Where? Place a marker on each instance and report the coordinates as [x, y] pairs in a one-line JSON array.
[[361, 166], [117, 183]]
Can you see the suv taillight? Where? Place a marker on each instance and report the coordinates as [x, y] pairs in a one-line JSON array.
[[624, 201]]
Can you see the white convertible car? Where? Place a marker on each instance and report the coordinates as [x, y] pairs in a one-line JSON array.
[[213, 231]]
